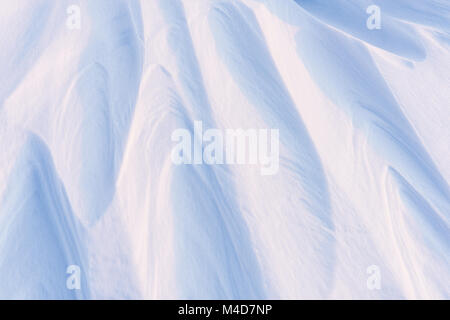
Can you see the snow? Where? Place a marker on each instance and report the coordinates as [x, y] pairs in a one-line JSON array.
[[86, 176]]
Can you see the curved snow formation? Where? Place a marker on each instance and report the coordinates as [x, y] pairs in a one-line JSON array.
[[360, 206]]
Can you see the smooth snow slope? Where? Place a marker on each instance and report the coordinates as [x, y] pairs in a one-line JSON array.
[[86, 176]]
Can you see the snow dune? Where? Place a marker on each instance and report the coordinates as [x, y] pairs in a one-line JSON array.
[[86, 118]]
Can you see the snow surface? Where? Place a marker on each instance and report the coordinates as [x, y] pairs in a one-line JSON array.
[[86, 177]]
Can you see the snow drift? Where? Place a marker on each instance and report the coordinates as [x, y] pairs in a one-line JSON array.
[[86, 117]]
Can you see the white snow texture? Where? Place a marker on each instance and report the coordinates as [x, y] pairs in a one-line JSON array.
[[360, 205]]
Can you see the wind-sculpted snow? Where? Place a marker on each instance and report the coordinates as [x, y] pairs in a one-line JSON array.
[[92, 204], [21, 45], [110, 82], [239, 44], [204, 196], [361, 90], [39, 234]]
